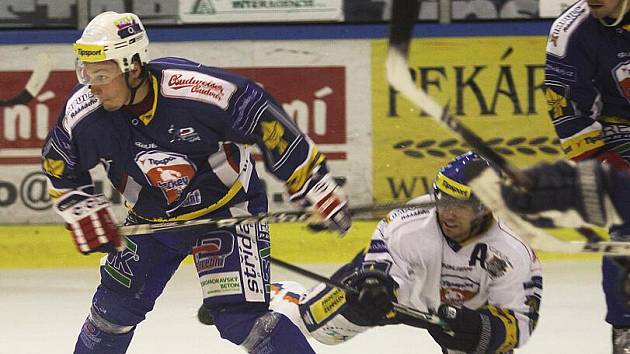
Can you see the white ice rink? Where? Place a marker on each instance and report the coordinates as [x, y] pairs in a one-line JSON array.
[[41, 312]]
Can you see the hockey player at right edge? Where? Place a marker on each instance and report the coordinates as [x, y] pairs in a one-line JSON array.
[[599, 193], [455, 259]]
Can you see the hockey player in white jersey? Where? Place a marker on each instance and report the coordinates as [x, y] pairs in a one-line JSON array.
[[455, 259]]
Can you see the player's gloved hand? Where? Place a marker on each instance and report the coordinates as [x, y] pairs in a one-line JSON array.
[[564, 186], [470, 331], [91, 222], [329, 202], [613, 159], [376, 291]]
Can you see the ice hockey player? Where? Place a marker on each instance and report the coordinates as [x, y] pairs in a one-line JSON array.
[[586, 87], [175, 138], [455, 259]]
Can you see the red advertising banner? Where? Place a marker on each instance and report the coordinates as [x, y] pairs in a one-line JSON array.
[[315, 97]]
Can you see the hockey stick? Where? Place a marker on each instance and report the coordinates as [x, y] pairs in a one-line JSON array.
[[425, 318], [404, 15], [38, 78], [270, 218]]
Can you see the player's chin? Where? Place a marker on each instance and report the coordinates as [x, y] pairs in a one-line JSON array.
[[453, 232], [110, 107], [598, 11]]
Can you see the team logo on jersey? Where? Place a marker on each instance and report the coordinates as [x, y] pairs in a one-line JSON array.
[[54, 168], [496, 266], [497, 263], [273, 136], [555, 94], [211, 253], [184, 134], [621, 73], [456, 290], [168, 171], [197, 86]]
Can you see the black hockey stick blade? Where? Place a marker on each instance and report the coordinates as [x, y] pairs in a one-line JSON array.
[[38, 78]]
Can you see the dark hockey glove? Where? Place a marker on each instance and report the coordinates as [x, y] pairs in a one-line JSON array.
[[470, 331], [563, 186], [613, 159], [372, 302]]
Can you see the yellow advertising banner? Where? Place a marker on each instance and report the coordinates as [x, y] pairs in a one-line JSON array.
[[494, 84]]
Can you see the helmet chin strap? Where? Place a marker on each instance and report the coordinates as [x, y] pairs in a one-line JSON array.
[[620, 16], [133, 89]]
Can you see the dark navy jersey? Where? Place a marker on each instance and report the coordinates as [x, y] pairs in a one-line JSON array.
[[587, 79], [190, 155]]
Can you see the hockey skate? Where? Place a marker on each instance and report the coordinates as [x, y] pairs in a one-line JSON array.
[[621, 340]]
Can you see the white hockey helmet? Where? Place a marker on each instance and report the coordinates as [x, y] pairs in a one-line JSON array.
[[112, 36]]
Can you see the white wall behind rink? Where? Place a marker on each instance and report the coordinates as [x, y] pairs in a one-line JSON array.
[[22, 192]]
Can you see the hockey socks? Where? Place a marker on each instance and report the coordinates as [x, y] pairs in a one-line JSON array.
[[268, 333], [94, 341]]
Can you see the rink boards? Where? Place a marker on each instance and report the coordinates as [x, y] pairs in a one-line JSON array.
[[51, 246]]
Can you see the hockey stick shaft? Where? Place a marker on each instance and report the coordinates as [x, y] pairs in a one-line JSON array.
[[404, 16], [270, 218], [35, 83], [424, 317]]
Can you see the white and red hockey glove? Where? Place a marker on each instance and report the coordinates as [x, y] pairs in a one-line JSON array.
[[330, 203], [90, 220]]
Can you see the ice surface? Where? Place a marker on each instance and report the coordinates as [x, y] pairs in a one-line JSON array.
[[42, 310]]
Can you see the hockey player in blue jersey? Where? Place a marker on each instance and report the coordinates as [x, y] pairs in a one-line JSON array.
[[587, 79], [175, 139]]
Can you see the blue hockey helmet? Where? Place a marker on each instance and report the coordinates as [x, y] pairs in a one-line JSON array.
[[451, 183]]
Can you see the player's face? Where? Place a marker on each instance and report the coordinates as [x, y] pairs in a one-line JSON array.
[[604, 8], [108, 84], [456, 219]]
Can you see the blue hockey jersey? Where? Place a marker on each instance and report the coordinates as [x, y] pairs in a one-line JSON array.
[[190, 154], [587, 79]]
